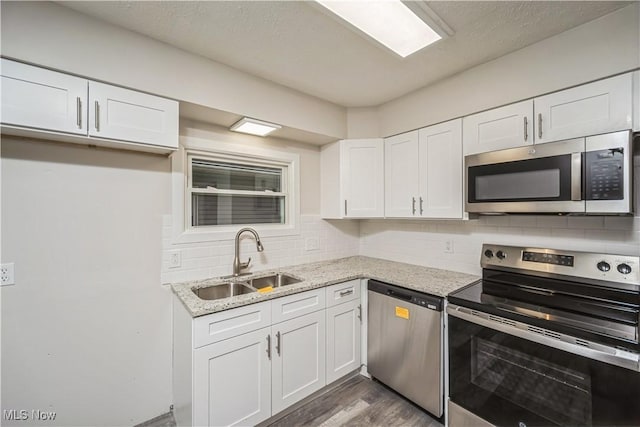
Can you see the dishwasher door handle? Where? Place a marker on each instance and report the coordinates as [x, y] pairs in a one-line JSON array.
[[399, 295]]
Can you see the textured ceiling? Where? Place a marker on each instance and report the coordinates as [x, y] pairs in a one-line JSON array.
[[297, 45]]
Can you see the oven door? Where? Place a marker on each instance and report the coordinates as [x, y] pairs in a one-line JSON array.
[[510, 381], [539, 178]]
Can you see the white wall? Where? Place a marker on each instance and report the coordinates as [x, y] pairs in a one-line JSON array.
[[86, 330], [597, 49], [363, 123], [54, 36]]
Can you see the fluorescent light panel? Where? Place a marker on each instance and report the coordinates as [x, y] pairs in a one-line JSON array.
[[254, 127], [389, 22]]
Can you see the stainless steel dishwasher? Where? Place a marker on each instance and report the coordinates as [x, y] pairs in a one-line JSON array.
[[404, 343]]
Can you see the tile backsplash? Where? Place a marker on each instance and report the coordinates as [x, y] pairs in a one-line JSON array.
[[318, 240], [450, 245], [456, 245]]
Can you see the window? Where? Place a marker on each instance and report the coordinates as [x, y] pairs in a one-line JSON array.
[[219, 187], [225, 193]]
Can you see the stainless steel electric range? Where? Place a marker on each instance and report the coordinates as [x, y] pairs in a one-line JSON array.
[[546, 338]]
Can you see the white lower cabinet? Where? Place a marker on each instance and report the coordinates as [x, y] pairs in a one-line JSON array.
[[298, 366], [243, 365], [344, 323], [232, 381]]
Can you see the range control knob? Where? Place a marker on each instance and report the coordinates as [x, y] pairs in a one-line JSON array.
[[501, 255], [488, 253], [604, 266], [624, 268]]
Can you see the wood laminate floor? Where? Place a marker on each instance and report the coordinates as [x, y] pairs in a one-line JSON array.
[[358, 402]]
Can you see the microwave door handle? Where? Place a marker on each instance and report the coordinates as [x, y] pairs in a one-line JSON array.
[[576, 176]]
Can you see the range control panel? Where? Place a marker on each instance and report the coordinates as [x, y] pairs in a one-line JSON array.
[[608, 267]]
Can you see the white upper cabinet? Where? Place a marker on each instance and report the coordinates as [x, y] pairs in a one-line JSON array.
[[57, 106], [441, 170], [352, 182], [37, 98], [591, 109], [401, 173], [123, 114], [423, 172], [505, 127]]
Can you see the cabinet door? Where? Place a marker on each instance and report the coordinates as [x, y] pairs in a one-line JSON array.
[[127, 115], [505, 127], [401, 175], [362, 172], [591, 109], [441, 170], [343, 339], [636, 101], [298, 367], [37, 98], [232, 381]]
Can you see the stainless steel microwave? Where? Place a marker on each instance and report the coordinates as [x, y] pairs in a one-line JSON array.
[[591, 175]]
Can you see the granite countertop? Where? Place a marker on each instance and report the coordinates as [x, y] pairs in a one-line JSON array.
[[324, 273]]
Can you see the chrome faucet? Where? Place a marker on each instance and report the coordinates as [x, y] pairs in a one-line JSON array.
[[237, 265]]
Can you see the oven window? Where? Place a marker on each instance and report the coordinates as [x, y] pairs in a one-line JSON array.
[[519, 185], [510, 381], [561, 394]]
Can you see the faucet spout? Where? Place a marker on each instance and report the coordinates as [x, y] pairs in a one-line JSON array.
[[237, 265]]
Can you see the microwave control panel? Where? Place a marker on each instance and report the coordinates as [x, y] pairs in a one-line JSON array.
[[604, 171]]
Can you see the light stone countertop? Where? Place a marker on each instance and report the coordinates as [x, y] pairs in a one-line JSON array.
[[324, 273]]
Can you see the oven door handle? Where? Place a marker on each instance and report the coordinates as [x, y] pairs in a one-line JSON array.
[[576, 176], [602, 353]]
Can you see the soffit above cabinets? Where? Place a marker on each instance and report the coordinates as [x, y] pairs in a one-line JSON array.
[[225, 119], [294, 44]]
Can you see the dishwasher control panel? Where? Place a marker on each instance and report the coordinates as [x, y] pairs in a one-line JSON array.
[[410, 296]]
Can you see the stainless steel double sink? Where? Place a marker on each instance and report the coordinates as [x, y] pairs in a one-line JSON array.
[[240, 286]]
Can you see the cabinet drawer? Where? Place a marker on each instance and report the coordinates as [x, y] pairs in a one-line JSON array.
[[343, 292], [227, 324], [296, 305]]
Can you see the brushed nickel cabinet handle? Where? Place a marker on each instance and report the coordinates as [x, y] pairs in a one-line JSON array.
[[278, 343], [345, 293], [360, 312], [97, 109], [79, 112], [539, 125], [421, 210], [413, 205], [345, 207], [269, 346], [526, 129]]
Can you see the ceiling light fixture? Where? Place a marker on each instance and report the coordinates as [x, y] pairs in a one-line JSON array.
[[389, 22], [254, 127]]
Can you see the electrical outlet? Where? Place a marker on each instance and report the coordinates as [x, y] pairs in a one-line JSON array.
[[175, 259], [448, 246], [6, 274], [311, 244]]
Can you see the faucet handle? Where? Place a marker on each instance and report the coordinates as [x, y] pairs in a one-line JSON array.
[[245, 264]]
